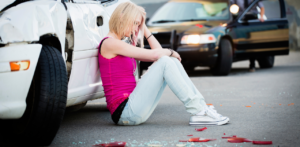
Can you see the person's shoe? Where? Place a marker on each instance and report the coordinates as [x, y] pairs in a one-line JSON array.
[[207, 117], [252, 69]]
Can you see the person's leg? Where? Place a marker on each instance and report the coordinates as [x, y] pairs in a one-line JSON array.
[[145, 97], [189, 81], [252, 64]]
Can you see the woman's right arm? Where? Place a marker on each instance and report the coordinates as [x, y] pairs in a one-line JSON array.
[[118, 47]]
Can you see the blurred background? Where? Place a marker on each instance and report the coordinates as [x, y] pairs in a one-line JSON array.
[[292, 9]]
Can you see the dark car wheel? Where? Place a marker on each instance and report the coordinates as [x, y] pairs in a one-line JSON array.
[[224, 61], [46, 103], [266, 62]]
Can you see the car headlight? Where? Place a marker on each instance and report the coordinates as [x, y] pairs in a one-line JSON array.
[[198, 39]]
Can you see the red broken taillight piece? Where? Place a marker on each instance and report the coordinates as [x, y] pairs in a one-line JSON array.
[[112, 144], [262, 142], [201, 129], [190, 135], [206, 140], [194, 139], [198, 139], [238, 140]]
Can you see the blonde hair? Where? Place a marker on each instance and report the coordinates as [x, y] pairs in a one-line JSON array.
[[123, 18]]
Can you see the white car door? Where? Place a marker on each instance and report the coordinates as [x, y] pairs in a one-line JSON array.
[[85, 83]]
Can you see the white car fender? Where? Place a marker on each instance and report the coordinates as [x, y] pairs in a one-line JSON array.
[[14, 85], [28, 21]]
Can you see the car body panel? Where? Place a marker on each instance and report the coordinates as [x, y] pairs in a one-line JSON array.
[[14, 85], [42, 17], [85, 82]]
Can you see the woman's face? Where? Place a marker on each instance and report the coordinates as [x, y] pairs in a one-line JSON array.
[[135, 27]]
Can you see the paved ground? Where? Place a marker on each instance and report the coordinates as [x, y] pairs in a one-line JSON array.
[[273, 94]]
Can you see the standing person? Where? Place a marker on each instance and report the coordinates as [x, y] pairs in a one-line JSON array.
[[251, 14], [132, 103]]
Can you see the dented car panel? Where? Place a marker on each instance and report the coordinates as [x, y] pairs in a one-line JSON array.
[[42, 17]]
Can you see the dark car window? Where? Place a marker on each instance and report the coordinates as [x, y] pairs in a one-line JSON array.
[[178, 11], [272, 10]]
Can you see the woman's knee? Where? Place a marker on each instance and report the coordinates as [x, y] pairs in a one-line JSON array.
[[165, 59], [175, 60]]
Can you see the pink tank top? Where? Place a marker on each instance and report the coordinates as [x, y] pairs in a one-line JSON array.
[[117, 78]]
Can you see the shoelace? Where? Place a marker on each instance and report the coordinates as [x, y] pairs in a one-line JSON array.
[[213, 110]]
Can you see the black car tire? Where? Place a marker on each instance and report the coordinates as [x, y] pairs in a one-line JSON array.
[[224, 61], [266, 62], [46, 103]]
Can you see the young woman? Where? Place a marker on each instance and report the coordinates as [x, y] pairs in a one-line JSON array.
[[132, 103]]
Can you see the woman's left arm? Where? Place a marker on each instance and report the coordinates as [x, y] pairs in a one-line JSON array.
[[154, 44]]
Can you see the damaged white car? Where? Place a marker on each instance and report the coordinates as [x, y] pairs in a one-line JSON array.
[[48, 61]]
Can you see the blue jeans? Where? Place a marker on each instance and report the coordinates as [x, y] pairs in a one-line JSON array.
[[146, 95]]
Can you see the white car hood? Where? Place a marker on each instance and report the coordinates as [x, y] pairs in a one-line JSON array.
[[5, 3]]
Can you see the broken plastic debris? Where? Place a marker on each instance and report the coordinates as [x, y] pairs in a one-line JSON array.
[[206, 140], [226, 137], [194, 139], [201, 129], [198, 139], [190, 135], [238, 140], [112, 144], [210, 104], [248, 106], [224, 133], [262, 142]]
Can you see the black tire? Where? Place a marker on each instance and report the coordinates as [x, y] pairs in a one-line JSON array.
[[75, 107], [266, 62], [46, 103], [224, 61]]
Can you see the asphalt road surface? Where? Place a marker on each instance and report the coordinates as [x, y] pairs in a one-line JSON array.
[[263, 105]]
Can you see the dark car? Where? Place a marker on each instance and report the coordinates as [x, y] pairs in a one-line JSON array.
[[205, 33]]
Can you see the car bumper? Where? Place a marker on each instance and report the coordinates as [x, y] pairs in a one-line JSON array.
[[198, 55], [14, 85]]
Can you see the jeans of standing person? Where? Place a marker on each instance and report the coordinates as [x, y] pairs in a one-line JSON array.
[[146, 95]]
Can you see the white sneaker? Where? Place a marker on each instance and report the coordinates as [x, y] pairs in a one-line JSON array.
[[209, 116]]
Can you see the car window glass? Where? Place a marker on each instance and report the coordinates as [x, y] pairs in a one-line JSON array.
[[177, 11], [272, 10]]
